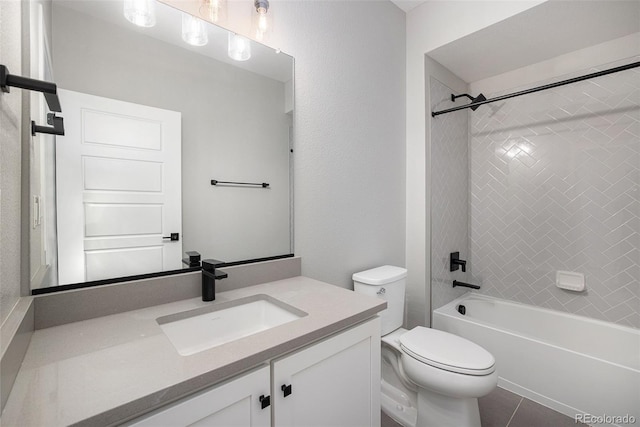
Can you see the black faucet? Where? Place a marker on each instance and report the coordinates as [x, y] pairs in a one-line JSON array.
[[455, 262], [209, 277], [193, 260]]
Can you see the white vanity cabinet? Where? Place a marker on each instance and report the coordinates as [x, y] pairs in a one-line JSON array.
[[236, 402], [333, 382]]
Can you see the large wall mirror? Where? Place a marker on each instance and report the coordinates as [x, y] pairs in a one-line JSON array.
[[150, 122]]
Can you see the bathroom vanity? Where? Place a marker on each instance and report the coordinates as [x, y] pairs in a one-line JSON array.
[[308, 388], [123, 369]]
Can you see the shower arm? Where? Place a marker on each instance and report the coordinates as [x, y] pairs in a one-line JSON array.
[[454, 97]]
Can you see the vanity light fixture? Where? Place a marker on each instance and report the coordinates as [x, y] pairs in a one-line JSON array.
[[140, 12], [214, 10], [239, 47], [261, 20], [194, 31]]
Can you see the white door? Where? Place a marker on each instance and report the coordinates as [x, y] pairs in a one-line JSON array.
[[118, 188], [236, 403], [333, 383]]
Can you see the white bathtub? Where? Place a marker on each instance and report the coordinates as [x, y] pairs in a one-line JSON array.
[[570, 363]]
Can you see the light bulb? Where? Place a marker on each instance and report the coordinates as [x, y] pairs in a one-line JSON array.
[[140, 12], [262, 20], [214, 10], [194, 31], [239, 47]]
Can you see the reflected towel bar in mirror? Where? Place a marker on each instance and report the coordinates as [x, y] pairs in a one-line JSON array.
[[255, 184]]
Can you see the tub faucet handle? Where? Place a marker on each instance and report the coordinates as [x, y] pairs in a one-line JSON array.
[[455, 262]]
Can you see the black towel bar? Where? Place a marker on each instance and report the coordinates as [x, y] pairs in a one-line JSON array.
[[258, 184]]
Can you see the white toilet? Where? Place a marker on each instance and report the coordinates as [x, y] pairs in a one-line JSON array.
[[429, 377]]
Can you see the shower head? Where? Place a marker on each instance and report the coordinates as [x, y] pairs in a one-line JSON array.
[[478, 98]]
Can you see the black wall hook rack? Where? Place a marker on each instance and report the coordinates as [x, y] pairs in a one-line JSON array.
[[50, 90], [56, 128], [254, 184]]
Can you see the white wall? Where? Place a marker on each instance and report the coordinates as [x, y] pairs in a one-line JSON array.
[[429, 26], [10, 160], [234, 128], [349, 159]]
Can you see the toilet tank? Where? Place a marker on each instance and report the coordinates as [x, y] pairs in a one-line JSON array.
[[386, 282]]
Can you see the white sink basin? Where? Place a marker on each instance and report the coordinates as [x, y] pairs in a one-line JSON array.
[[203, 328]]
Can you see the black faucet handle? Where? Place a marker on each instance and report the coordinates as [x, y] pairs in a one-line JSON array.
[[212, 264], [455, 262]]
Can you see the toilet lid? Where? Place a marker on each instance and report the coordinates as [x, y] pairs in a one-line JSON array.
[[447, 351]]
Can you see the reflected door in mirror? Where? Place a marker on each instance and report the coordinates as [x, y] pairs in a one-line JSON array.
[[118, 189]]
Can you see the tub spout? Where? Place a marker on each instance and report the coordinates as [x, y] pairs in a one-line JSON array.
[[466, 285]]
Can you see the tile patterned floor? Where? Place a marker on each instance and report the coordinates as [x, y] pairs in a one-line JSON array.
[[501, 408]]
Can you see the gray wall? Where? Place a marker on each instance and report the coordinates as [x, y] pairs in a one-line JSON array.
[[349, 159], [449, 193], [554, 186], [234, 128], [10, 160], [419, 289]]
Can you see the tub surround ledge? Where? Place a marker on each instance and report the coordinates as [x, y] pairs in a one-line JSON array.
[[106, 370]]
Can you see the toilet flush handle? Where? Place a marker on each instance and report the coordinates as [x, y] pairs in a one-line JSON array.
[[381, 292]]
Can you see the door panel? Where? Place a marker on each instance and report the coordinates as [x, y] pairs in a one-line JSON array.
[[125, 131], [121, 175], [101, 264], [122, 220]]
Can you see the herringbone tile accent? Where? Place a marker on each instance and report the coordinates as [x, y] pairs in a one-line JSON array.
[[449, 194], [555, 185]]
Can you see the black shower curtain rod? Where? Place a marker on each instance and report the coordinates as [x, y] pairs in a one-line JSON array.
[[539, 88]]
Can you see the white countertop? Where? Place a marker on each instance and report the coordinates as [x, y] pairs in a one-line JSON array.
[[105, 370]]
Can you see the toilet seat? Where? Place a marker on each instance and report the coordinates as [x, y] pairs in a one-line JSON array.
[[446, 351]]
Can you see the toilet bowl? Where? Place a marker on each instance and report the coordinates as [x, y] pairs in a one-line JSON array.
[[429, 377]]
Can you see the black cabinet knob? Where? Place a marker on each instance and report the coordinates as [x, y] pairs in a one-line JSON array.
[[265, 401], [286, 390]]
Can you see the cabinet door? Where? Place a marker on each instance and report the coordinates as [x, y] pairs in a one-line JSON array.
[[233, 403], [333, 383]]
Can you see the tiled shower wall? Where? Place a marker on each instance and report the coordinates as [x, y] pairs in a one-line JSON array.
[[555, 185], [449, 194]]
